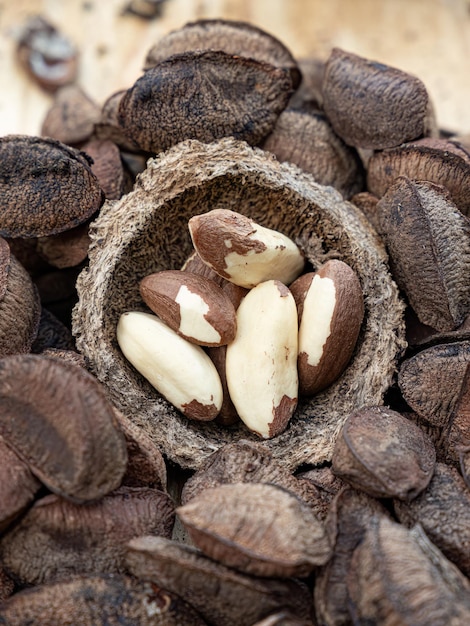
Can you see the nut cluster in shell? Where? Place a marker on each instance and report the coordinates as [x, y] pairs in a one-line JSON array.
[[364, 493]]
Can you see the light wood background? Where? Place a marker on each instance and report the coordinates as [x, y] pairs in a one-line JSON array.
[[430, 38]]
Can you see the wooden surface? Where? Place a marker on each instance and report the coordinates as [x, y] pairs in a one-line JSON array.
[[430, 38]]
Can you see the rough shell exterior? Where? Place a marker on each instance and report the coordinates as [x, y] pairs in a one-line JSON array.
[[146, 231], [234, 37]]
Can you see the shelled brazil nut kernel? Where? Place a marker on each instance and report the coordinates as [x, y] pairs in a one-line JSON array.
[[265, 351]]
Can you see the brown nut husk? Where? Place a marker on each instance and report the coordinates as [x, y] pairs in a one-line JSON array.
[[69, 356], [193, 178], [18, 486], [7, 586], [456, 436], [107, 166], [439, 161], [92, 600], [245, 462], [417, 221], [52, 333], [20, 307], [398, 576], [46, 187], [350, 515], [223, 596], [308, 96], [234, 37], [258, 529], [204, 95], [108, 128], [71, 117], [145, 463], [367, 202], [431, 380], [65, 249], [58, 420], [326, 486], [372, 105], [443, 511], [57, 539], [383, 453], [308, 140]]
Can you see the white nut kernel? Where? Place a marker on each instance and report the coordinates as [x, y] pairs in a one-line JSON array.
[[181, 371], [243, 251], [261, 362]]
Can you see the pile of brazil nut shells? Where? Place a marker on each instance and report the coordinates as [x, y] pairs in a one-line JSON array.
[[244, 203]]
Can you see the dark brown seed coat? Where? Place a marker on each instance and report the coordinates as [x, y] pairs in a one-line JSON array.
[[384, 454], [223, 596], [58, 420], [428, 240], [56, 539], [308, 140], [234, 37], [372, 105], [114, 600], [46, 187], [204, 95], [258, 529]]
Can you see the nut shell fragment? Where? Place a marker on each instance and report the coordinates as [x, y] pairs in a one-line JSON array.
[[71, 117], [244, 462], [20, 307], [431, 380], [18, 486], [57, 539], [351, 513], [223, 596], [437, 160], [308, 140], [443, 512], [398, 576], [100, 599]]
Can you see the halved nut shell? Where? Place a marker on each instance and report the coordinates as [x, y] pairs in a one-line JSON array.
[[188, 180]]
